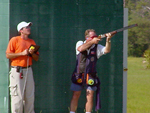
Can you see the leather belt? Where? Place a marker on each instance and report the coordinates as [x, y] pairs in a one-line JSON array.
[[21, 67]]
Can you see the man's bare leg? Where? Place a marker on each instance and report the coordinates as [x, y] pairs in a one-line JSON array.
[[89, 103], [74, 100]]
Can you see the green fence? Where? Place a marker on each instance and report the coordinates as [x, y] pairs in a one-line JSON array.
[[57, 26], [4, 64]]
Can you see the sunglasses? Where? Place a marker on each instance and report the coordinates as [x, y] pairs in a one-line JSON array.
[[94, 36], [27, 27]]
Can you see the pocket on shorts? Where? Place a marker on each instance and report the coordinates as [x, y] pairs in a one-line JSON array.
[[77, 78], [13, 90]]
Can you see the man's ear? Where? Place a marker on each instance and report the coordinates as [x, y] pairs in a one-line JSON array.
[[20, 31]]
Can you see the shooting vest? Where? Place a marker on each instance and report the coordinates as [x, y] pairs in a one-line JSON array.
[[85, 71]]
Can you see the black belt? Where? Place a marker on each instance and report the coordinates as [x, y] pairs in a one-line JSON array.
[[21, 67]]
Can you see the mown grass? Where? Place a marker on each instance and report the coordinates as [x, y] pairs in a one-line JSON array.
[[138, 86]]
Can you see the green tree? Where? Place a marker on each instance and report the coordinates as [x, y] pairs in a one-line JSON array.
[[138, 38]]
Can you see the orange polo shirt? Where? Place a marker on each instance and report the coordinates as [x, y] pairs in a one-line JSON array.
[[17, 45]]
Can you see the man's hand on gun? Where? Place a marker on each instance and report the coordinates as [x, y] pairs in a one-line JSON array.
[[95, 40], [109, 36]]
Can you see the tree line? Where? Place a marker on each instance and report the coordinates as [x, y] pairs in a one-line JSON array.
[[138, 37]]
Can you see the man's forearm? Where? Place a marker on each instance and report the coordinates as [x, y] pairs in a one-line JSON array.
[[85, 46], [108, 46], [13, 55], [35, 57]]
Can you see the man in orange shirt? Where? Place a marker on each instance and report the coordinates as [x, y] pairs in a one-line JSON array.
[[21, 76]]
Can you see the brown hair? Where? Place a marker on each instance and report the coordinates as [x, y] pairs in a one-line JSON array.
[[87, 32]]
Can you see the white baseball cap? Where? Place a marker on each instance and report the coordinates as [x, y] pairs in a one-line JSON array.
[[23, 24]]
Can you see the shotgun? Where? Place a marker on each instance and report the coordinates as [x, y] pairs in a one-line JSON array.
[[116, 31]]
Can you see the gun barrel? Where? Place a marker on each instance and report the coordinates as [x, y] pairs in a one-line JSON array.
[[116, 31]]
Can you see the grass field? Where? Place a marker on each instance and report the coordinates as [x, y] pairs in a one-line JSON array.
[[138, 86]]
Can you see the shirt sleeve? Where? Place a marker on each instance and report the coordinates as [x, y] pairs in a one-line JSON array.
[[100, 50], [79, 43], [11, 46]]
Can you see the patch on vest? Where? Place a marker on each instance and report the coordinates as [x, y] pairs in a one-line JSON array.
[[90, 81], [92, 52], [79, 80], [92, 59]]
